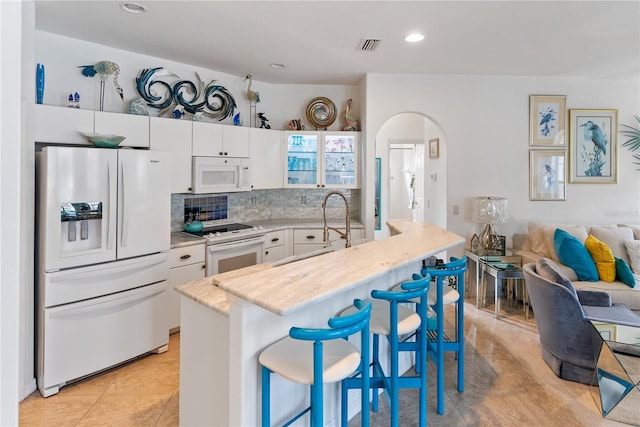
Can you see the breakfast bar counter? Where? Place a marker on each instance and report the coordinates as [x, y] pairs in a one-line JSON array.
[[228, 319]]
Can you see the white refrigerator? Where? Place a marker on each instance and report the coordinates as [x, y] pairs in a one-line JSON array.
[[103, 236]]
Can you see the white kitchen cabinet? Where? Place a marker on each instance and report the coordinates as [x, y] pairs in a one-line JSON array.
[[266, 158], [307, 240], [274, 246], [212, 139], [185, 264], [321, 159], [174, 136], [62, 125], [310, 239], [134, 127]]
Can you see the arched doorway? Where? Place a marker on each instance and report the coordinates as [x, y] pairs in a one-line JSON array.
[[412, 170]]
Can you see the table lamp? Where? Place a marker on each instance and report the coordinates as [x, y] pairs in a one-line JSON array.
[[490, 211]]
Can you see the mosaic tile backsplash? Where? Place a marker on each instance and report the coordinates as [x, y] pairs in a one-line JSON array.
[[261, 205]]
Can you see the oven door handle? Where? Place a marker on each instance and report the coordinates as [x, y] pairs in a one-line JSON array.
[[216, 247]]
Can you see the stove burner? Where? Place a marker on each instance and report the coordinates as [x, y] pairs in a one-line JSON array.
[[224, 228]]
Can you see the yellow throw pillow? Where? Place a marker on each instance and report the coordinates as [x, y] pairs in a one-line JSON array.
[[603, 257]]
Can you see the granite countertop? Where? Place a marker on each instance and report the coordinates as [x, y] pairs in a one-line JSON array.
[[180, 239], [276, 288]]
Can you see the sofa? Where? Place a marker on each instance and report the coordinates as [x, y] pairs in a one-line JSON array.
[[623, 241]]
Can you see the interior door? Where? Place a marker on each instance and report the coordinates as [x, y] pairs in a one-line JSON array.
[[144, 202]]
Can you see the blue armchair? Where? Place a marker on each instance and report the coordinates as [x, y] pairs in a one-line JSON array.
[[564, 324]]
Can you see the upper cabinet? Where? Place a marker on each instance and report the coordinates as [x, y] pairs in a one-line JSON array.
[[212, 139], [266, 158], [62, 125], [321, 159], [134, 127], [174, 136]]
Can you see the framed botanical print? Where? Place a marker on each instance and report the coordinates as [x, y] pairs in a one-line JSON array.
[[593, 146], [547, 172], [547, 120]]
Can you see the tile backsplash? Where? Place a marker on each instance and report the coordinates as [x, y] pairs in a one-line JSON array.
[[261, 205]]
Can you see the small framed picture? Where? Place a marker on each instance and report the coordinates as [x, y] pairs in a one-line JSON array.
[[547, 172], [593, 146], [547, 120], [434, 148], [502, 244]]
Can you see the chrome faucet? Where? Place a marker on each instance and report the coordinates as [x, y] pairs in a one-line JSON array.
[[347, 234]]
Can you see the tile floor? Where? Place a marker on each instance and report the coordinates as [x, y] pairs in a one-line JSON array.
[[507, 384]]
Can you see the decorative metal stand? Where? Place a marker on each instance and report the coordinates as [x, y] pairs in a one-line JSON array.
[[103, 78]]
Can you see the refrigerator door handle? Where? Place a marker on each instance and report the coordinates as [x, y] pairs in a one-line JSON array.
[[125, 223], [111, 201]]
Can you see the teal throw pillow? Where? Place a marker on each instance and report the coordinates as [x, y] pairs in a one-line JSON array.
[[572, 252], [624, 273]]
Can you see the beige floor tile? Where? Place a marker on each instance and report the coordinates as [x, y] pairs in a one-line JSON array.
[[125, 410], [57, 410]]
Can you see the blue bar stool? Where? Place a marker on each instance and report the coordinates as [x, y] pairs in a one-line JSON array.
[[392, 320], [438, 341], [318, 356]]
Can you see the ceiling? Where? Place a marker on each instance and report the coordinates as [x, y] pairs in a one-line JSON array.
[[319, 41]]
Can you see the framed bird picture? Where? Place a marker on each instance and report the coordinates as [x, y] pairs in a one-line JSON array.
[[547, 120], [547, 174], [593, 146]]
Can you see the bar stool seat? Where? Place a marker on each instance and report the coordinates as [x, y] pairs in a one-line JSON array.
[[315, 356], [408, 319], [293, 359]]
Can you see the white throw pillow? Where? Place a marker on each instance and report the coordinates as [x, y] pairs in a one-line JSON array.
[[614, 237], [635, 228], [633, 250]]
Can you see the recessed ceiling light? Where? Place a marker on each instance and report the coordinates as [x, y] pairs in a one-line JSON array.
[[131, 7], [276, 65], [415, 37]]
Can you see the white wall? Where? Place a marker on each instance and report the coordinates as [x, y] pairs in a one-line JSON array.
[[485, 121], [280, 103]]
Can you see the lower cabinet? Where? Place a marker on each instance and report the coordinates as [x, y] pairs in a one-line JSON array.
[[310, 239], [274, 246], [186, 263]]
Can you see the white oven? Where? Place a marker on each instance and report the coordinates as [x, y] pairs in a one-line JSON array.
[[227, 256]]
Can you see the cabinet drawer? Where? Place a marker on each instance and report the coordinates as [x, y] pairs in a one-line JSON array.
[[307, 235], [186, 255], [274, 238]]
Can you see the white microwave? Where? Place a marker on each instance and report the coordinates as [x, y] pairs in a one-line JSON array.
[[220, 175]]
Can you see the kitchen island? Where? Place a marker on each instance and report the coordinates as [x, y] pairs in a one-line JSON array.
[[228, 319]]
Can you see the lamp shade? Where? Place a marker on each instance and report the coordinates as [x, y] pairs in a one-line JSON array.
[[490, 210]]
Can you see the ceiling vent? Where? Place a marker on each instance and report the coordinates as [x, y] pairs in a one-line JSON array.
[[369, 45]]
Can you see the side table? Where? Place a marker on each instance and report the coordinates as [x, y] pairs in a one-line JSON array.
[[617, 373], [500, 267]]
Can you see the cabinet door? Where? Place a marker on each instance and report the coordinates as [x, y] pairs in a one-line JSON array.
[[302, 160], [340, 159], [62, 125], [134, 128], [178, 276], [266, 158], [174, 136], [207, 139], [235, 141]]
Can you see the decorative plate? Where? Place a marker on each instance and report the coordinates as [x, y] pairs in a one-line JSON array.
[[321, 112], [104, 141]]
